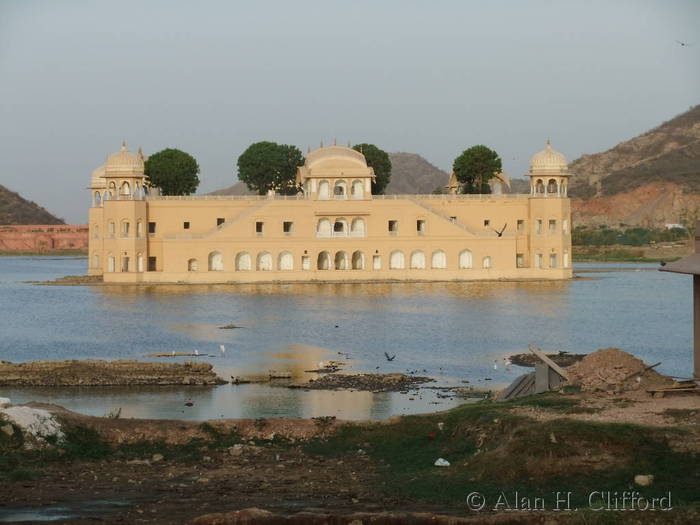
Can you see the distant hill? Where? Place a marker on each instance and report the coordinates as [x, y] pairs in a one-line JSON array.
[[411, 173], [16, 210], [237, 189], [649, 180]]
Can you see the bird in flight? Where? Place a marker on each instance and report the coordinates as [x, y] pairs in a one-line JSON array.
[[500, 234], [389, 357], [683, 44]]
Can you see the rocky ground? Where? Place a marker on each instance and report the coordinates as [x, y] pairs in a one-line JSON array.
[[106, 373], [587, 437]]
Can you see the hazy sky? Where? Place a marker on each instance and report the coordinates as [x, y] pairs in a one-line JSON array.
[[430, 77]]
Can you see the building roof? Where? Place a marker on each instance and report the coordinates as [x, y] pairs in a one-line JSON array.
[[688, 265], [335, 156], [548, 162]]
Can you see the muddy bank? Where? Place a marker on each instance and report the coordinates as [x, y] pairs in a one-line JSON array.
[[72, 280], [106, 373], [364, 382], [529, 359]]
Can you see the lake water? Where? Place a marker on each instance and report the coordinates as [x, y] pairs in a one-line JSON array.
[[453, 331]]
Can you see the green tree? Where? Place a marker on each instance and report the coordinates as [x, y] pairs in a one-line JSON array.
[[475, 167], [378, 160], [173, 171], [267, 165]]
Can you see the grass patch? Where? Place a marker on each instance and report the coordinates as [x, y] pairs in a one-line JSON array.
[[491, 450], [553, 403]]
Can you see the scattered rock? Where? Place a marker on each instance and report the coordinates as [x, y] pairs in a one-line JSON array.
[[7, 429], [157, 457], [644, 480], [236, 450], [441, 462], [37, 423]]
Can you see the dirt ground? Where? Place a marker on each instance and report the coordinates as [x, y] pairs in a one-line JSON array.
[[171, 472]]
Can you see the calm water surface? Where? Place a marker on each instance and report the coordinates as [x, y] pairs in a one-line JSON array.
[[453, 331]]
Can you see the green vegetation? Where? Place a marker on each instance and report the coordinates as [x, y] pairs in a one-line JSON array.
[[475, 167], [173, 171], [605, 236], [266, 166], [492, 450], [378, 160]]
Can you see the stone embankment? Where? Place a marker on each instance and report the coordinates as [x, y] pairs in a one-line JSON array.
[[106, 373]]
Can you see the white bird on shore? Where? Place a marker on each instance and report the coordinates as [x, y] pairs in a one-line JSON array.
[[196, 352], [321, 365], [495, 364], [173, 353], [222, 348]]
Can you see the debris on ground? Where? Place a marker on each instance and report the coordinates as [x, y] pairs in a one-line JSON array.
[[35, 423], [612, 369], [365, 382]]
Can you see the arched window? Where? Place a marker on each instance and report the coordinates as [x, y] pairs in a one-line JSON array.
[[465, 259], [323, 228], [112, 188], [139, 229], [356, 190], [243, 262], [96, 261], [106, 196], [126, 226], [552, 260], [539, 186], [126, 189], [126, 263], [439, 259], [139, 262], [323, 190], [566, 258], [95, 231], [340, 228], [357, 227], [418, 260], [111, 263], [264, 262], [486, 262], [111, 228], [192, 265], [551, 186], [286, 261], [97, 199], [324, 261], [341, 261], [358, 260], [340, 189], [396, 261], [216, 262], [376, 262]]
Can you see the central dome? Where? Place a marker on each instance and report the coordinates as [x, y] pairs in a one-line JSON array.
[[335, 157], [548, 162], [124, 162]]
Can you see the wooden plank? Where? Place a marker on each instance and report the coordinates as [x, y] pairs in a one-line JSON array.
[[539, 353]]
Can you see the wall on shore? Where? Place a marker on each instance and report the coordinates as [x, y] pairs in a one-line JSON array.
[[43, 238]]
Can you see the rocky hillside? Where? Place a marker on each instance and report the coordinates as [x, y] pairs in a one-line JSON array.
[[411, 173], [650, 180], [237, 189], [16, 210]]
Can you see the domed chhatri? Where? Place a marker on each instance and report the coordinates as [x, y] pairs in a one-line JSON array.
[[549, 173], [124, 162], [548, 162]]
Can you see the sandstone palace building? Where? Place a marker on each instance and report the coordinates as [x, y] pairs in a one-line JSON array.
[[335, 230]]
